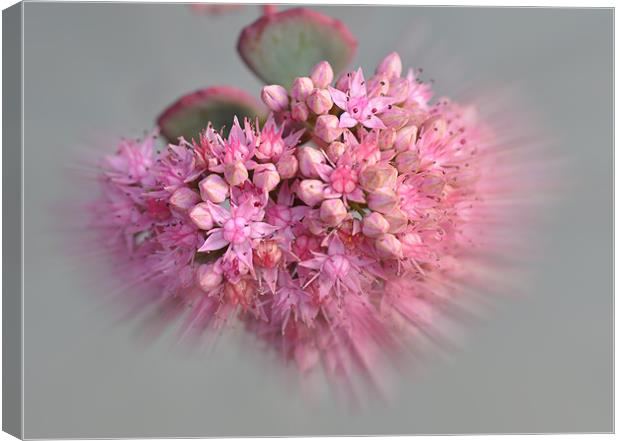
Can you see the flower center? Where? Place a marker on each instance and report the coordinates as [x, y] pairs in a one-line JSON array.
[[236, 230], [344, 180], [337, 265]]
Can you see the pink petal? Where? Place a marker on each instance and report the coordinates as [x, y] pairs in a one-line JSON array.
[[220, 215], [347, 121], [339, 97], [261, 229], [243, 251], [336, 246], [380, 103], [373, 123], [312, 263], [297, 213], [357, 195], [214, 242], [358, 87]]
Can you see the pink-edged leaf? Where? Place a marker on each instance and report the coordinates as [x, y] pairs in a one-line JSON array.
[[219, 105], [282, 46]]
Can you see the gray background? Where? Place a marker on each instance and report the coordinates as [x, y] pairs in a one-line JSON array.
[[541, 362]]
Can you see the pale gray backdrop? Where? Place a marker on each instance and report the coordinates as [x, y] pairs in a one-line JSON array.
[[541, 363]]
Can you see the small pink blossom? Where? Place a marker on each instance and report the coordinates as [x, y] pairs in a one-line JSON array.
[[358, 108]]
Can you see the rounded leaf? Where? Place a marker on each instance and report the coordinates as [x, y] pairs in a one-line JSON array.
[[219, 105], [282, 46]]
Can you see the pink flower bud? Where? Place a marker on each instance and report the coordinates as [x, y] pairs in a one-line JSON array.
[[287, 166], [310, 159], [378, 176], [333, 212], [310, 191], [397, 220], [302, 86], [275, 97], [267, 254], [270, 147], [240, 293], [388, 246], [391, 66], [322, 75], [299, 111], [407, 161], [335, 150], [375, 225], [327, 128], [183, 199], [386, 139], [235, 173], [406, 138], [395, 118], [435, 127], [213, 188], [209, 276], [320, 101], [266, 177], [382, 201], [201, 216]]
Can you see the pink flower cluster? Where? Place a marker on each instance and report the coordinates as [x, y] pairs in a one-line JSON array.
[[324, 230]]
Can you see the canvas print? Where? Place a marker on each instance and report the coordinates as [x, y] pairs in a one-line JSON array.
[[289, 220]]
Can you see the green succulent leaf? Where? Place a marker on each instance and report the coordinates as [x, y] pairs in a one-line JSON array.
[[281, 46], [190, 114]]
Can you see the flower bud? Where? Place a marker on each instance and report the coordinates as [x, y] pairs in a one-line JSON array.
[[299, 111], [320, 101], [266, 177], [213, 188], [235, 173], [333, 212], [406, 138], [327, 128], [201, 216], [183, 198], [335, 150], [275, 97], [378, 176], [386, 139], [287, 166], [375, 225], [270, 147], [407, 161], [388, 246], [382, 201], [209, 276], [240, 293], [391, 66], [322, 75], [267, 254], [397, 221], [309, 161], [395, 118], [310, 191], [302, 86], [435, 127]]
